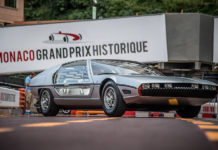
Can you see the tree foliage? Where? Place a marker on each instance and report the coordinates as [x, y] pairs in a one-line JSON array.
[[82, 9]]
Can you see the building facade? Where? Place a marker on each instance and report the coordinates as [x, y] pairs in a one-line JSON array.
[[11, 11]]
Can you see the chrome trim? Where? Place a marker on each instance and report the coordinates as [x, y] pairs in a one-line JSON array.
[[72, 88], [76, 98], [45, 101], [110, 98], [164, 101]]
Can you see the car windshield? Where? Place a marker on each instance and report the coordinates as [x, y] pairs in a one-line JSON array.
[[120, 67]]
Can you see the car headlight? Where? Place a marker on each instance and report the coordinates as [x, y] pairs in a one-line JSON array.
[[168, 85], [146, 86], [195, 86], [155, 85], [205, 87], [213, 88]]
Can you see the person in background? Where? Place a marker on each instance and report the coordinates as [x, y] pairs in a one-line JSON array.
[[29, 95]]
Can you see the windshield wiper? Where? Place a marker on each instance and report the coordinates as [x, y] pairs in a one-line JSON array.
[[107, 73]]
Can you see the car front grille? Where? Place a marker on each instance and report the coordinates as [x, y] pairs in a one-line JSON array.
[[181, 85], [179, 92]]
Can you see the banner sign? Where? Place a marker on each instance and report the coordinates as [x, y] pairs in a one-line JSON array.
[[38, 47], [215, 49], [9, 97]]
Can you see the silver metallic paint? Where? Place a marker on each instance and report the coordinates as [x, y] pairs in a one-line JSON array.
[[44, 81]]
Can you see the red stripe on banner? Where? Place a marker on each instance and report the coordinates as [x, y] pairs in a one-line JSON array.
[[73, 112], [155, 114], [207, 115], [129, 114], [150, 114], [178, 116], [211, 109]]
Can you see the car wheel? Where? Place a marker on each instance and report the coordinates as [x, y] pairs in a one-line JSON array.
[[51, 37], [65, 39], [48, 107], [38, 108], [112, 100], [188, 111]]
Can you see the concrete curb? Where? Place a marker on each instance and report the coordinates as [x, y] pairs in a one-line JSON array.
[[140, 114], [11, 111]]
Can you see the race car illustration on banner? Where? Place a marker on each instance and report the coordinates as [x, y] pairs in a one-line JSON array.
[[116, 86], [65, 37]]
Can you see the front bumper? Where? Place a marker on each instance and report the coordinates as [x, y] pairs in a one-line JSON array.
[[183, 92], [161, 97], [164, 101]]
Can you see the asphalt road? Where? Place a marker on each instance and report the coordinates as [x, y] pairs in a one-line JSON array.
[[102, 133]]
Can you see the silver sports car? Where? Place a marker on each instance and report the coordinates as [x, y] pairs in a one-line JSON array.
[[117, 86]]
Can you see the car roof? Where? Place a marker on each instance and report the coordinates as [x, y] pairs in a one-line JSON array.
[[103, 60]]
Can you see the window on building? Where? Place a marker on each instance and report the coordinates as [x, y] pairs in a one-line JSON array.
[[11, 3]]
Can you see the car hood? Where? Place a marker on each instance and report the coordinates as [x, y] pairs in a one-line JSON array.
[[136, 80]]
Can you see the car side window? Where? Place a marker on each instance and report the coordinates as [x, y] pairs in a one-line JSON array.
[[73, 73]]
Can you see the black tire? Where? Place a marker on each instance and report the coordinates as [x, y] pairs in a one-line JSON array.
[[80, 36], [52, 109], [188, 111], [51, 37], [65, 39], [119, 106]]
